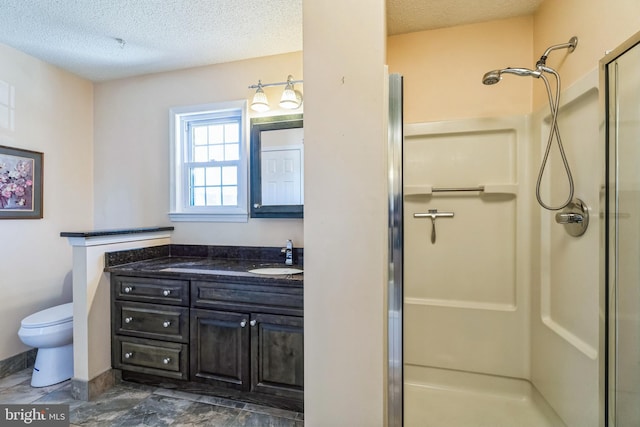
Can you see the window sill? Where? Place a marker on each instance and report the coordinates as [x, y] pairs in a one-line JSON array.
[[207, 217]]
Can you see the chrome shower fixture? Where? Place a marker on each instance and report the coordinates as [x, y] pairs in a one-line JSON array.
[[570, 46], [494, 76]]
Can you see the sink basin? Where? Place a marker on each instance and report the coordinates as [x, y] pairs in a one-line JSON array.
[[274, 271]]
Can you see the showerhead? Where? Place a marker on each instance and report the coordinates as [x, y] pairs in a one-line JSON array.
[[494, 76]]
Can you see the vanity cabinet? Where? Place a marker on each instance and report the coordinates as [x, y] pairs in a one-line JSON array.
[[277, 365], [232, 334], [257, 352], [150, 326], [248, 337]]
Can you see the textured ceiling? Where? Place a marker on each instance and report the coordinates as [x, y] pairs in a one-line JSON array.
[[406, 16], [161, 35]]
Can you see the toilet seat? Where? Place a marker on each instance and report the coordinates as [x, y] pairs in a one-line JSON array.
[[49, 317]]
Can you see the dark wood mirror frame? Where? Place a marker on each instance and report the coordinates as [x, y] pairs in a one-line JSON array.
[[258, 125]]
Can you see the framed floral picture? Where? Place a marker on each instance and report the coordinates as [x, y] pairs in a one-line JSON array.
[[20, 183]]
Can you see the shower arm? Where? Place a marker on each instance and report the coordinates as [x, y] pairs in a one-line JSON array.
[[570, 45]]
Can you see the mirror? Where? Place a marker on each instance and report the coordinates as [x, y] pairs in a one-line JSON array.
[[277, 167]]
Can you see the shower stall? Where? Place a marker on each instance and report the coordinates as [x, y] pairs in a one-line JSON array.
[[498, 306]]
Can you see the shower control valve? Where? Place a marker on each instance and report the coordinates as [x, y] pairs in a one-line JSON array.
[[574, 217]]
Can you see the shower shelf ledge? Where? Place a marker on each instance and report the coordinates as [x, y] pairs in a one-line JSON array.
[[429, 190]]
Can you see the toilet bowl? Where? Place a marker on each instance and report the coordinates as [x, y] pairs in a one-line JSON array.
[[51, 332]]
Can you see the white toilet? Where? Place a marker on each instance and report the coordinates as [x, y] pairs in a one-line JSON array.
[[51, 332]]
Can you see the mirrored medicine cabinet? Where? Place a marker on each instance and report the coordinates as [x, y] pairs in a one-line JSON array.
[[277, 167]]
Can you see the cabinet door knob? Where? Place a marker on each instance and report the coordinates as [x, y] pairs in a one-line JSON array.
[[166, 360], [166, 292], [166, 323], [128, 355], [243, 323], [128, 319], [127, 289], [253, 322]]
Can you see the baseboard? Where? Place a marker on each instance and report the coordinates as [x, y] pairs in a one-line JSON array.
[[18, 362], [89, 390]]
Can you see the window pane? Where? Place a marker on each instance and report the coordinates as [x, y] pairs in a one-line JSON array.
[[197, 177], [230, 175], [200, 135], [231, 132], [213, 176], [230, 196], [198, 197], [232, 151], [216, 134], [216, 153], [213, 196], [200, 154], [209, 147]]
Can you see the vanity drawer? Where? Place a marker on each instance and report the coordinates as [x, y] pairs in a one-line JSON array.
[[162, 291], [236, 296], [152, 321], [160, 358]]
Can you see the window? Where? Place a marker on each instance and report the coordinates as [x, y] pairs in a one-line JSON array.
[[209, 163]]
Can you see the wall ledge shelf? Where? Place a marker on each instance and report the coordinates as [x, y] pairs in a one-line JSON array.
[[429, 190]]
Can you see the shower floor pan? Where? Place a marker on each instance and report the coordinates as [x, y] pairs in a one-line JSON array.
[[444, 398]]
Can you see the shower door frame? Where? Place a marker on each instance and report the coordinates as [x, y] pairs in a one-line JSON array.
[[395, 377], [610, 285]]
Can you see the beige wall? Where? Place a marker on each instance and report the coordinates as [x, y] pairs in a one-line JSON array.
[[53, 115], [443, 70], [345, 221], [132, 147], [600, 26]]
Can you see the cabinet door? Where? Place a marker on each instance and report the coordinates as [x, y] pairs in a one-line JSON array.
[[220, 348], [277, 349]]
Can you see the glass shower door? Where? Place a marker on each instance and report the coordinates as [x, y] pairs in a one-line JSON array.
[[622, 75]]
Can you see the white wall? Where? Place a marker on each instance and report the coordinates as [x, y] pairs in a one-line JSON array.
[[132, 147], [53, 115], [345, 223]]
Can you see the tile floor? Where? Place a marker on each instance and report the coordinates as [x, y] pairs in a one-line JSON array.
[[130, 404]]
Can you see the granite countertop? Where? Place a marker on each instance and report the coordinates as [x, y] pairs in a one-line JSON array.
[[202, 262], [114, 232]]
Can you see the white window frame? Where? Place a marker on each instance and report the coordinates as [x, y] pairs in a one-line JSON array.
[[180, 210]]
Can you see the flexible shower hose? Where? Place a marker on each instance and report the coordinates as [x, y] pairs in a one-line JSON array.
[[554, 106]]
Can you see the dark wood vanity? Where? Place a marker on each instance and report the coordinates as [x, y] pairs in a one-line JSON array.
[[206, 324]]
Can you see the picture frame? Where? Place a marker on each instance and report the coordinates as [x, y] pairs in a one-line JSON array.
[[20, 183]]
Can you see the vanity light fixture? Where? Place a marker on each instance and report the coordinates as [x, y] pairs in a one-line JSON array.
[[260, 102], [291, 98]]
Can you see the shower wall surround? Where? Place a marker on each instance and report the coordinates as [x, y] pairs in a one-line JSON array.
[[504, 290], [565, 347], [467, 293]]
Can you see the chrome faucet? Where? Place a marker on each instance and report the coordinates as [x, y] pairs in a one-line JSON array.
[[288, 253]]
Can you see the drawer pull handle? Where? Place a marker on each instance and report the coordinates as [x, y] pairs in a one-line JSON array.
[[128, 289], [166, 323], [243, 323], [253, 322], [128, 319], [128, 355], [166, 292], [166, 360]]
